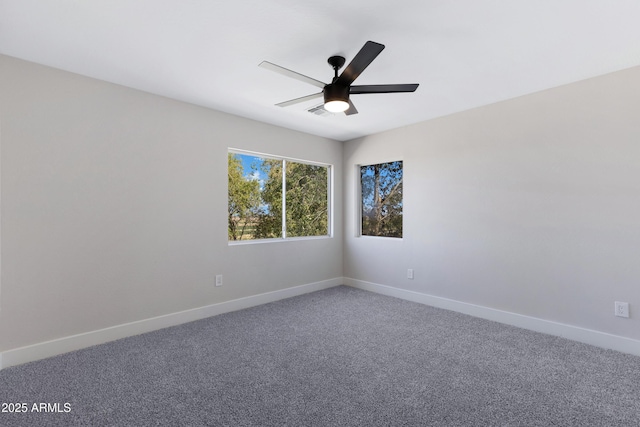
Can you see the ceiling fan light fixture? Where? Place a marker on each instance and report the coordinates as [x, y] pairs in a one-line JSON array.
[[337, 106], [336, 98], [336, 94]]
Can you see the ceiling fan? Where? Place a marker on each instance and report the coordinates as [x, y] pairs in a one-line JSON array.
[[336, 94]]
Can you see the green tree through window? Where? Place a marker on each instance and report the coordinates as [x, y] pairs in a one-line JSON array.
[[307, 200], [244, 200], [256, 204], [381, 197]]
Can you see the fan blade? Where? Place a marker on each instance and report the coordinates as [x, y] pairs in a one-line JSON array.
[[286, 72], [383, 88], [351, 110], [367, 54], [299, 100]]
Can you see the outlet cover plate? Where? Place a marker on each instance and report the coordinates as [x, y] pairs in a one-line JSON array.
[[622, 309]]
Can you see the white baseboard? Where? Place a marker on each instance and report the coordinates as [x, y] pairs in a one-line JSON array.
[[76, 342], [587, 336]]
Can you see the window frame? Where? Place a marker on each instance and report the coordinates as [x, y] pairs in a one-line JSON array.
[[284, 159]]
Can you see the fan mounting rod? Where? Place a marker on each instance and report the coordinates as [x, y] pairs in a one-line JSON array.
[[336, 63]]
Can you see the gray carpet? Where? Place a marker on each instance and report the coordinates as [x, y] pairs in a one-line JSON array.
[[338, 357]]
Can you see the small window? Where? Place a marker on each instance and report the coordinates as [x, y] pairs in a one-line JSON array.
[[381, 199], [257, 209]]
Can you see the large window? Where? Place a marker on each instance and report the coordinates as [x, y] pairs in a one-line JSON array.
[[257, 208], [381, 199]]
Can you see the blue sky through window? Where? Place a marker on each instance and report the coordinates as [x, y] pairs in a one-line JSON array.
[[251, 167]]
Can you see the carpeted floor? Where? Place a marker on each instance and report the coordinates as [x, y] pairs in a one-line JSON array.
[[338, 357]]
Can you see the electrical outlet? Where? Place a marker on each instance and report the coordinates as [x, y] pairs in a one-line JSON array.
[[622, 309], [410, 273], [219, 280]]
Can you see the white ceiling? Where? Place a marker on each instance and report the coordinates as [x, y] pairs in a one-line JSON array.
[[464, 53]]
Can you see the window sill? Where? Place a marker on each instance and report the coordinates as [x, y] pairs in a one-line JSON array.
[[278, 240]]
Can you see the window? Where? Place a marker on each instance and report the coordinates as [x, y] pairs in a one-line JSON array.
[[381, 199], [257, 208]]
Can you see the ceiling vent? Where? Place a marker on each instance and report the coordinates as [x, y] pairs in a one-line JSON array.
[[319, 110]]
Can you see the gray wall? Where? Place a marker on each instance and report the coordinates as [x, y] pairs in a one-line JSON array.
[[530, 206], [114, 206]]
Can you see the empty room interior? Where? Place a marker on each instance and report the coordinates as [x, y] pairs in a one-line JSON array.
[[484, 177]]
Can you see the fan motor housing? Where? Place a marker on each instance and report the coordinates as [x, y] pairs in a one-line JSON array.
[[333, 92]]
